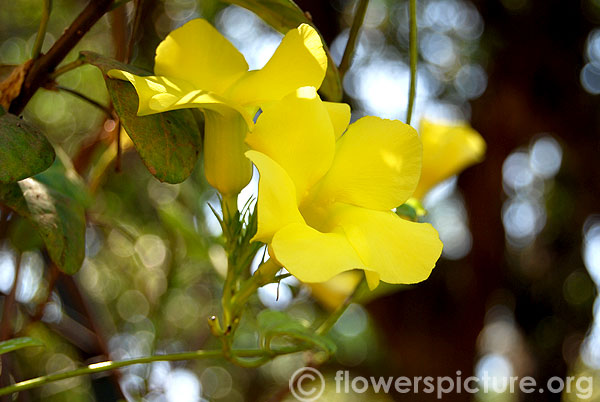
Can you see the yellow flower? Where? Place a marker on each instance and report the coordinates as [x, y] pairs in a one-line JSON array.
[[448, 149], [325, 199], [196, 67]]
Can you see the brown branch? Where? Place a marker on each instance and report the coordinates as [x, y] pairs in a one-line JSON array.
[[6, 328], [72, 287], [38, 74], [9, 301], [137, 19], [53, 274]]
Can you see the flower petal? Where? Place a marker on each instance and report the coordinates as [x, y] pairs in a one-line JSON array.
[[200, 55], [298, 61], [447, 150], [339, 113], [312, 256], [377, 165], [399, 251], [161, 94], [297, 134], [335, 291], [277, 205], [150, 86]]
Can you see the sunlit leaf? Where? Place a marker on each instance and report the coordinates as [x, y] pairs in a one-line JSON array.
[[58, 218], [284, 15], [18, 343], [168, 143], [24, 150], [275, 324]]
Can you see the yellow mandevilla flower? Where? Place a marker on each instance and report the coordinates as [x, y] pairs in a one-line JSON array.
[[196, 67], [325, 199], [448, 149]]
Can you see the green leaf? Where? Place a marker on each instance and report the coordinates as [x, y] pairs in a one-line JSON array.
[[284, 15], [275, 324], [63, 177], [168, 143], [407, 211], [24, 150], [58, 218], [18, 343]]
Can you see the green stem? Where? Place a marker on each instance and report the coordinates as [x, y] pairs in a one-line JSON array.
[[359, 16], [412, 90], [66, 68], [229, 209], [39, 39], [261, 355], [326, 326], [263, 275]]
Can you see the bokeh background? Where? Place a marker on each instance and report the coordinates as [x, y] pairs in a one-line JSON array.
[[514, 294]]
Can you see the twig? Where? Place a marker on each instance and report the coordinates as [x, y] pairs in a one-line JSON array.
[[136, 24], [6, 328], [41, 35], [9, 301], [326, 326], [119, 149], [359, 16], [110, 365], [66, 68], [38, 75], [83, 97], [74, 292], [412, 90], [53, 274]]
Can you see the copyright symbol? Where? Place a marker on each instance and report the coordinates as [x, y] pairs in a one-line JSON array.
[[304, 384]]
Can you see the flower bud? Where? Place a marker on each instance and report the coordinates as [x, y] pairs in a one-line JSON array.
[[225, 166]]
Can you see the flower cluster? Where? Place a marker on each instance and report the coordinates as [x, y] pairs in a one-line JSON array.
[[327, 189]]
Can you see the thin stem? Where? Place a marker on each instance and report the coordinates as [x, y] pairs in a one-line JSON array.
[[110, 365], [263, 275], [39, 39], [119, 149], [359, 16], [85, 98], [326, 326], [53, 274], [412, 90], [6, 326], [7, 310], [66, 68], [137, 18]]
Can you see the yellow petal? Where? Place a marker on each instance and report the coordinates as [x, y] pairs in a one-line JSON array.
[[372, 279], [200, 55], [298, 61], [377, 165], [335, 291], [297, 134], [447, 150], [277, 205], [399, 251], [151, 86], [161, 94], [225, 166], [312, 256], [339, 113]]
